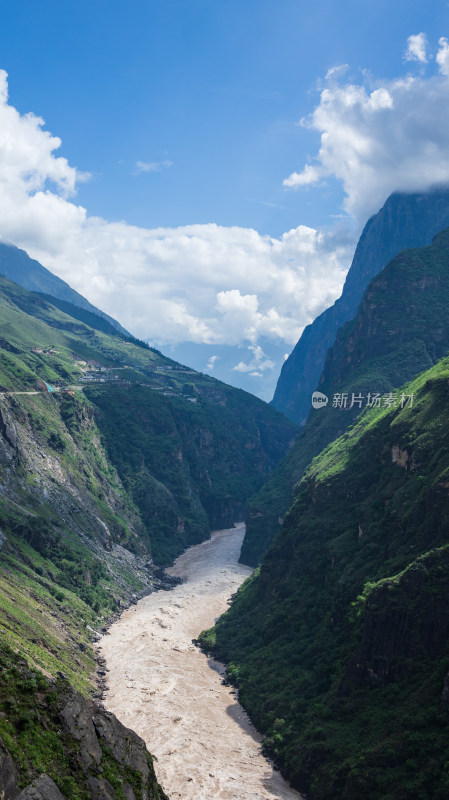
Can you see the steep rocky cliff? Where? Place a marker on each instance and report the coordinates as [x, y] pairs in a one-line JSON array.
[[399, 330], [406, 220]]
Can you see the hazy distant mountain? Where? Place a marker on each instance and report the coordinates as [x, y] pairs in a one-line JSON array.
[[406, 220], [16, 265]]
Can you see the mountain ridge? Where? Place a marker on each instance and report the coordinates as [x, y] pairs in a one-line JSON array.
[[399, 329], [17, 265], [405, 220]]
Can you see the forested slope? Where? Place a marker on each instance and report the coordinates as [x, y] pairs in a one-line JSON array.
[[400, 329], [339, 643]]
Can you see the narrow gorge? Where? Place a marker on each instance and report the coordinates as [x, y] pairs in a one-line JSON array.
[[163, 687]]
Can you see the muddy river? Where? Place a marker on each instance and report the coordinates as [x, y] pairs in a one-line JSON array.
[[163, 687]]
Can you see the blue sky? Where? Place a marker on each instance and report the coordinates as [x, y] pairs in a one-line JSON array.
[[185, 116]]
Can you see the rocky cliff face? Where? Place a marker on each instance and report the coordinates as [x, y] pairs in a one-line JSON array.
[[404, 221], [399, 330], [97, 757]]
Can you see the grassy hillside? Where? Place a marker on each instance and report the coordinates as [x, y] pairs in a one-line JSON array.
[[399, 331], [339, 642]]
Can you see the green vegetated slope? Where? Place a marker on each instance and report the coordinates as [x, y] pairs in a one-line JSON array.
[[38, 338], [113, 469], [400, 330], [72, 549], [65, 521], [189, 466], [339, 641]]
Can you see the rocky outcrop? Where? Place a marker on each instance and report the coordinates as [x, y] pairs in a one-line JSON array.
[[42, 788], [103, 758], [8, 775], [402, 617]]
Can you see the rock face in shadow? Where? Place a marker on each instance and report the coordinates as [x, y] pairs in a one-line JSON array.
[[406, 220], [96, 757], [8, 774]]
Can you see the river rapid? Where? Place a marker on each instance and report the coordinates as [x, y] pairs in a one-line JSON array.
[[170, 693]]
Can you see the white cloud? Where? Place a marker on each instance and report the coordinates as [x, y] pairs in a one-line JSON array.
[[378, 137], [211, 362], [442, 57], [152, 166], [307, 177], [199, 283], [258, 364], [417, 48]]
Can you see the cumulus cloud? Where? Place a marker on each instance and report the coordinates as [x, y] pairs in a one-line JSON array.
[[378, 137], [258, 363], [306, 177], [197, 283], [417, 48]]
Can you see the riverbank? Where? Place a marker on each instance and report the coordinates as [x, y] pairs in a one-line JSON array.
[[165, 688]]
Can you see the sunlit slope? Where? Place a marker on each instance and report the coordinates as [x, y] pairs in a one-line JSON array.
[[400, 329], [339, 645]]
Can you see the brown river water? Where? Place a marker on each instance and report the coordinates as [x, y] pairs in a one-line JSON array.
[[170, 693]]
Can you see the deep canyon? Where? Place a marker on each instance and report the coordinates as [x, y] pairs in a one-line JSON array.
[[163, 687]]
